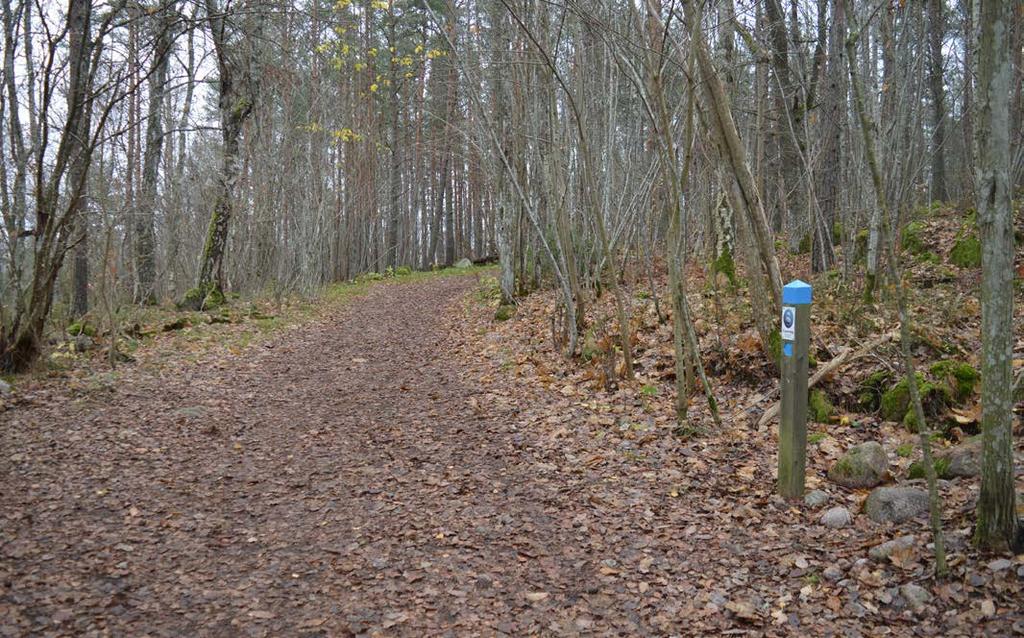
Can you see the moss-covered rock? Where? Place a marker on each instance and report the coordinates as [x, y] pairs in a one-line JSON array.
[[864, 465], [963, 460], [193, 299], [203, 298], [837, 233], [911, 237], [935, 398], [81, 328], [872, 388], [214, 299], [819, 408], [966, 252], [504, 312], [895, 402], [960, 378], [916, 469]]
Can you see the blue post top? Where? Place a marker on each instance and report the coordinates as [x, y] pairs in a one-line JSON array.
[[796, 292]]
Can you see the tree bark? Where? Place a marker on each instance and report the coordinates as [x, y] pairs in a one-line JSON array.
[[236, 94], [936, 31], [997, 525], [145, 234]]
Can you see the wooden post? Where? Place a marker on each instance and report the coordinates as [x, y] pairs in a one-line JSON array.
[[795, 332]]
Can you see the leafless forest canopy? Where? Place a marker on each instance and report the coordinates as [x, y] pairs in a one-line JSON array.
[[178, 150]]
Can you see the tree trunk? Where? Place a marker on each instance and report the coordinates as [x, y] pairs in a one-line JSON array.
[[145, 236], [936, 31], [236, 89], [997, 525]]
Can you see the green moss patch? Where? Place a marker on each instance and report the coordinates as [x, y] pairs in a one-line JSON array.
[[81, 328], [895, 402], [860, 246], [872, 389], [725, 265], [504, 312], [819, 408], [960, 378], [949, 383], [805, 245], [966, 252], [911, 237], [916, 469]]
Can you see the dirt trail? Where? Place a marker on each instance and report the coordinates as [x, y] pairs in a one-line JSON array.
[[387, 471], [342, 481]]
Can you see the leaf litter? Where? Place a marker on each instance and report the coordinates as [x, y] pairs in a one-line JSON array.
[[426, 472]]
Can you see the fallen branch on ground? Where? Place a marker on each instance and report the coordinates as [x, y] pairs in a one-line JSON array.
[[848, 355]]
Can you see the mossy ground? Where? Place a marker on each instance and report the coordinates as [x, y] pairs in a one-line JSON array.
[[949, 383], [504, 312], [912, 237], [916, 469], [966, 252], [81, 328]]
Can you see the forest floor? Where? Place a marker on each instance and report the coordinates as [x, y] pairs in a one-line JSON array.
[[404, 465]]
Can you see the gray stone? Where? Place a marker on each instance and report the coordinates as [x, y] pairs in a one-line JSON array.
[[895, 504], [915, 595], [837, 518], [864, 465], [964, 459], [881, 553], [82, 343], [463, 263], [5, 388], [191, 412], [832, 573], [1000, 564], [816, 498]]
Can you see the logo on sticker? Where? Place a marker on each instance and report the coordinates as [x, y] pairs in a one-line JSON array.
[[788, 317]]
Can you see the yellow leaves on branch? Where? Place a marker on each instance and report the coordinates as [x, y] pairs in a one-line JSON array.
[[345, 135], [338, 135]]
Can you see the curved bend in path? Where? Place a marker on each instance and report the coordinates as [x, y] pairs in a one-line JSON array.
[[342, 481]]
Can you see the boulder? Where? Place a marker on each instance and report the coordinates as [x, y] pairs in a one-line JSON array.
[[864, 465], [964, 459], [837, 518], [5, 388], [464, 263], [895, 504], [881, 553]]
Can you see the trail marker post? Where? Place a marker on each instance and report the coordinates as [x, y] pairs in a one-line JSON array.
[[795, 332]]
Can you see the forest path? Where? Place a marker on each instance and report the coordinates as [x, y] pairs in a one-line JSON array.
[[339, 480]]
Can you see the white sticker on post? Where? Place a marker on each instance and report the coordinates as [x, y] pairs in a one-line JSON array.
[[788, 323]]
